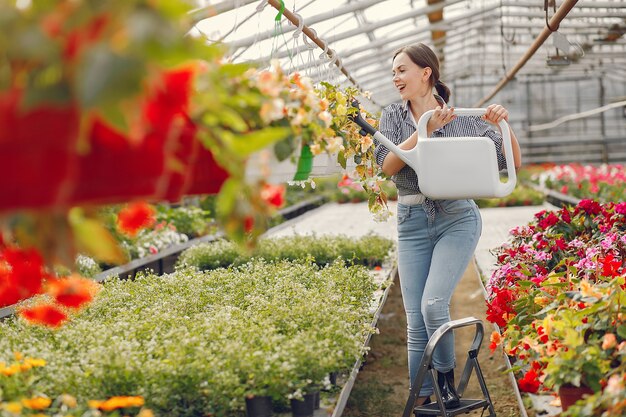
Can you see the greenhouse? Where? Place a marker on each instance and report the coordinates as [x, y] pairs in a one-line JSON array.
[[313, 208]]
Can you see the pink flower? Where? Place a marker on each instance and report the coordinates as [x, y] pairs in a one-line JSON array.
[[153, 249]]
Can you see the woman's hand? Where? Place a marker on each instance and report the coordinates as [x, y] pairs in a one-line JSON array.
[[495, 113], [440, 117]]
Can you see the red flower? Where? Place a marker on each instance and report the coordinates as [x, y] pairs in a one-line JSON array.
[[21, 275], [589, 206], [274, 195], [610, 265], [500, 307], [44, 314], [530, 382], [565, 216], [135, 217], [74, 291], [248, 224], [550, 220]]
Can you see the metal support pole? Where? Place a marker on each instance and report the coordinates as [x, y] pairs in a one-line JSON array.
[[556, 19], [605, 150]]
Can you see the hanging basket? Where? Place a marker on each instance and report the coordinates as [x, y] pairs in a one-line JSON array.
[[37, 152], [43, 169]]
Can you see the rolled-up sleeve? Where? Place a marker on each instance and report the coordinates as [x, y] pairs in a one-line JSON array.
[[485, 130], [389, 127]]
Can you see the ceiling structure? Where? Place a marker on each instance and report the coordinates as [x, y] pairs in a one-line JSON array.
[[477, 41]]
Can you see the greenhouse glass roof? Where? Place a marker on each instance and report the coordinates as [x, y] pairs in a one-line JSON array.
[[476, 40]]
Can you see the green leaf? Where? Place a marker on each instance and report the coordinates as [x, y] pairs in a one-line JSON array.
[[284, 149], [234, 70], [246, 144], [341, 158], [115, 116], [92, 237], [232, 119], [227, 197], [621, 331], [104, 78], [51, 94]]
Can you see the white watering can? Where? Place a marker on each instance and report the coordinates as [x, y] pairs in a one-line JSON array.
[[451, 168]]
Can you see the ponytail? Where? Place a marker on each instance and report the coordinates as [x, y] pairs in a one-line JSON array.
[[442, 90]]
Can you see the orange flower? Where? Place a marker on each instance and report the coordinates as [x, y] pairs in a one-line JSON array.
[[44, 314], [495, 339], [134, 217], [12, 407], [73, 291], [36, 403], [11, 370], [114, 403], [34, 362]]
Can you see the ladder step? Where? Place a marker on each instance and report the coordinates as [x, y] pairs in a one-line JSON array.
[[466, 406]]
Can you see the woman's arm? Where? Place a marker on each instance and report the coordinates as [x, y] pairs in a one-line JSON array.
[[392, 163]]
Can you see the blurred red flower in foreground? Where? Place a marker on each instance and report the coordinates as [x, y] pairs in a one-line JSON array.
[[44, 314], [73, 291], [134, 217], [273, 195], [21, 275]]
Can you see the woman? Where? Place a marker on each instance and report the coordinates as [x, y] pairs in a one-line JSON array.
[[436, 239]]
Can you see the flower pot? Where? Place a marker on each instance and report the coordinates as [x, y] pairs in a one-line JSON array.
[[304, 407], [333, 378], [259, 406], [569, 394]]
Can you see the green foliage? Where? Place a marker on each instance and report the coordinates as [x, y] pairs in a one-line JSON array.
[[369, 250], [522, 195], [190, 220], [195, 343]]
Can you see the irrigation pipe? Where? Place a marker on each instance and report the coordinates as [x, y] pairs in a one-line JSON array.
[[569, 117], [556, 19]]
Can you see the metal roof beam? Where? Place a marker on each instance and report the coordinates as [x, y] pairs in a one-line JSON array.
[[350, 8], [373, 26], [212, 10], [404, 37]]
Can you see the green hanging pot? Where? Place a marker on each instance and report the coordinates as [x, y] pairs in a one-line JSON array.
[[305, 164]]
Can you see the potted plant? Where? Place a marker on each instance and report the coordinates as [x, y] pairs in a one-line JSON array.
[[558, 297]]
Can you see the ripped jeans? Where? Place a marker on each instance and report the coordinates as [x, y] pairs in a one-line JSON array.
[[432, 257]]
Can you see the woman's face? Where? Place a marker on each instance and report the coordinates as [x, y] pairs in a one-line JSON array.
[[410, 79]]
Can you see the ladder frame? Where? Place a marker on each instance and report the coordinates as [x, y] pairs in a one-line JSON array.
[[438, 408]]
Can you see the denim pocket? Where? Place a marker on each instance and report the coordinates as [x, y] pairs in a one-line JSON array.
[[454, 206], [404, 212]]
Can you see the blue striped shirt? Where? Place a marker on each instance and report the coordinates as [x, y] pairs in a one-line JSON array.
[[396, 123]]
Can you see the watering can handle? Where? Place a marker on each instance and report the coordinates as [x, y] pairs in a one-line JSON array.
[[508, 186]]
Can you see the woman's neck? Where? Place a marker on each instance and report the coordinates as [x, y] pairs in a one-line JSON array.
[[420, 105]]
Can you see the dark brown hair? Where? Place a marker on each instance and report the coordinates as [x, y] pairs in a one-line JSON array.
[[424, 57]]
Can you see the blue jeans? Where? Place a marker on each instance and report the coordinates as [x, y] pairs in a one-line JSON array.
[[432, 257]]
